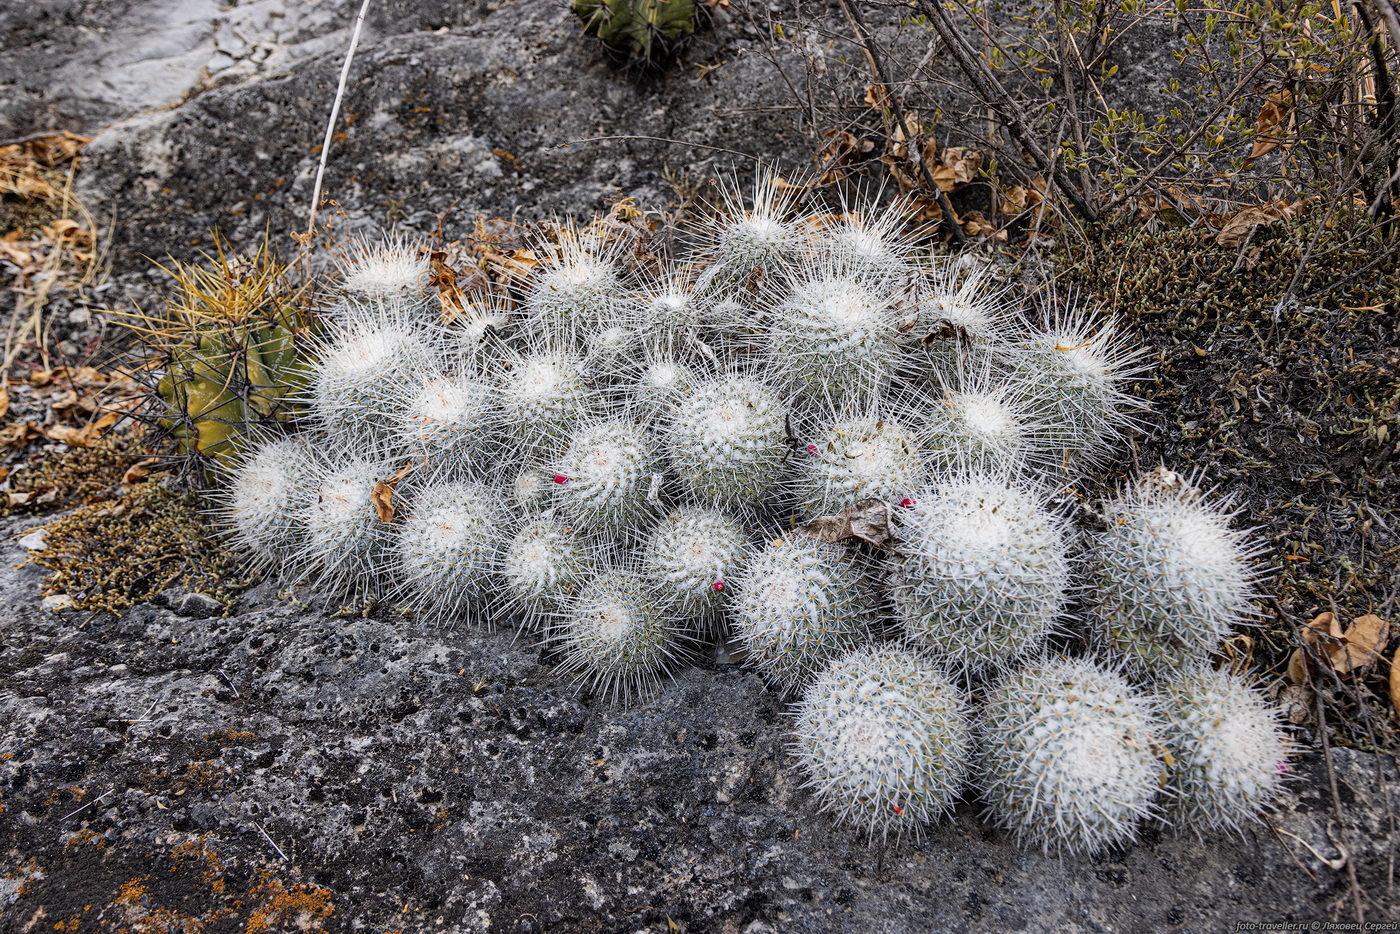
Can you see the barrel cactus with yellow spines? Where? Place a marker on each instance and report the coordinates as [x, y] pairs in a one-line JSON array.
[[231, 346], [642, 29]]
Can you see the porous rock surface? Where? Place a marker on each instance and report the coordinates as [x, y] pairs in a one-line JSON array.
[[286, 768]]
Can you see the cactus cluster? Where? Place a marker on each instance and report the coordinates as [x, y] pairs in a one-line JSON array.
[[636, 458]]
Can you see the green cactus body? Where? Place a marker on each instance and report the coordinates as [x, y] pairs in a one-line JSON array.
[[640, 28]]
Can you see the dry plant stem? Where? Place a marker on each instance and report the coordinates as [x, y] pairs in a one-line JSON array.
[[335, 115], [1001, 101], [1357, 904], [882, 78]]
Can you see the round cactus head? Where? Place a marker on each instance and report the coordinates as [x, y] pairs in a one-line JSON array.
[[857, 458], [577, 288], [543, 563], [657, 385], [266, 497], [872, 246], [798, 604], [980, 576], [1169, 578], [366, 360], [445, 424], [1067, 757], [980, 423], [615, 636], [740, 243], [727, 439], [603, 481], [959, 315], [448, 549], [392, 268], [1228, 751], [833, 337], [690, 558], [543, 398], [1077, 374], [347, 543], [884, 740]]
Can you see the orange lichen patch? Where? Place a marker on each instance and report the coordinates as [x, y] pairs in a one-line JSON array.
[[202, 775], [301, 907], [133, 892]]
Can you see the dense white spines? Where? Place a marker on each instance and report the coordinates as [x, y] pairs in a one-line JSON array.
[[1228, 752], [979, 577], [871, 248], [691, 557], [448, 548], [799, 604], [445, 425], [604, 479], [959, 316], [833, 338], [577, 289], [657, 386], [743, 246], [854, 459], [1066, 757], [1077, 372], [369, 355], [978, 423], [543, 396], [1169, 577], [393, 269], [615, 635], [884, 740], [266, 495], [544, 562], [347, 544], [727, 441]]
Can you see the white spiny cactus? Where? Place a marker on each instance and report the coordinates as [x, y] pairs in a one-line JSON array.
[[267, 494], [616, 635], [799, 604], [1068, 757], [594, 449], [544, 396], [544, 563], [1077, 371], [604, 479], [980, 575], [727, 441], [742, 245], [347, 544], [1228, 751], [858, 458], [448, 549], [884, 740], [393, 268], [577, 289], [366, 359], [445, 425], [691, 557], [1169, 577], [833, 337]]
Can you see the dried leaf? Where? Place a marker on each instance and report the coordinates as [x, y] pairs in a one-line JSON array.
[[1268, 129], [1395, 682], [1238, 228], [4, 395], [139, 471], [383, 495], [1362, 643], [868, 520], [444, 278], [1324, 641]]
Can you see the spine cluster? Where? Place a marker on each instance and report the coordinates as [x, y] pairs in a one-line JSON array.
[[624, 454]]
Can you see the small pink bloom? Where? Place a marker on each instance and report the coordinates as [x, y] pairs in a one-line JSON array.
[[908, 503], [812, 450], [718, 586], [560, 479]]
